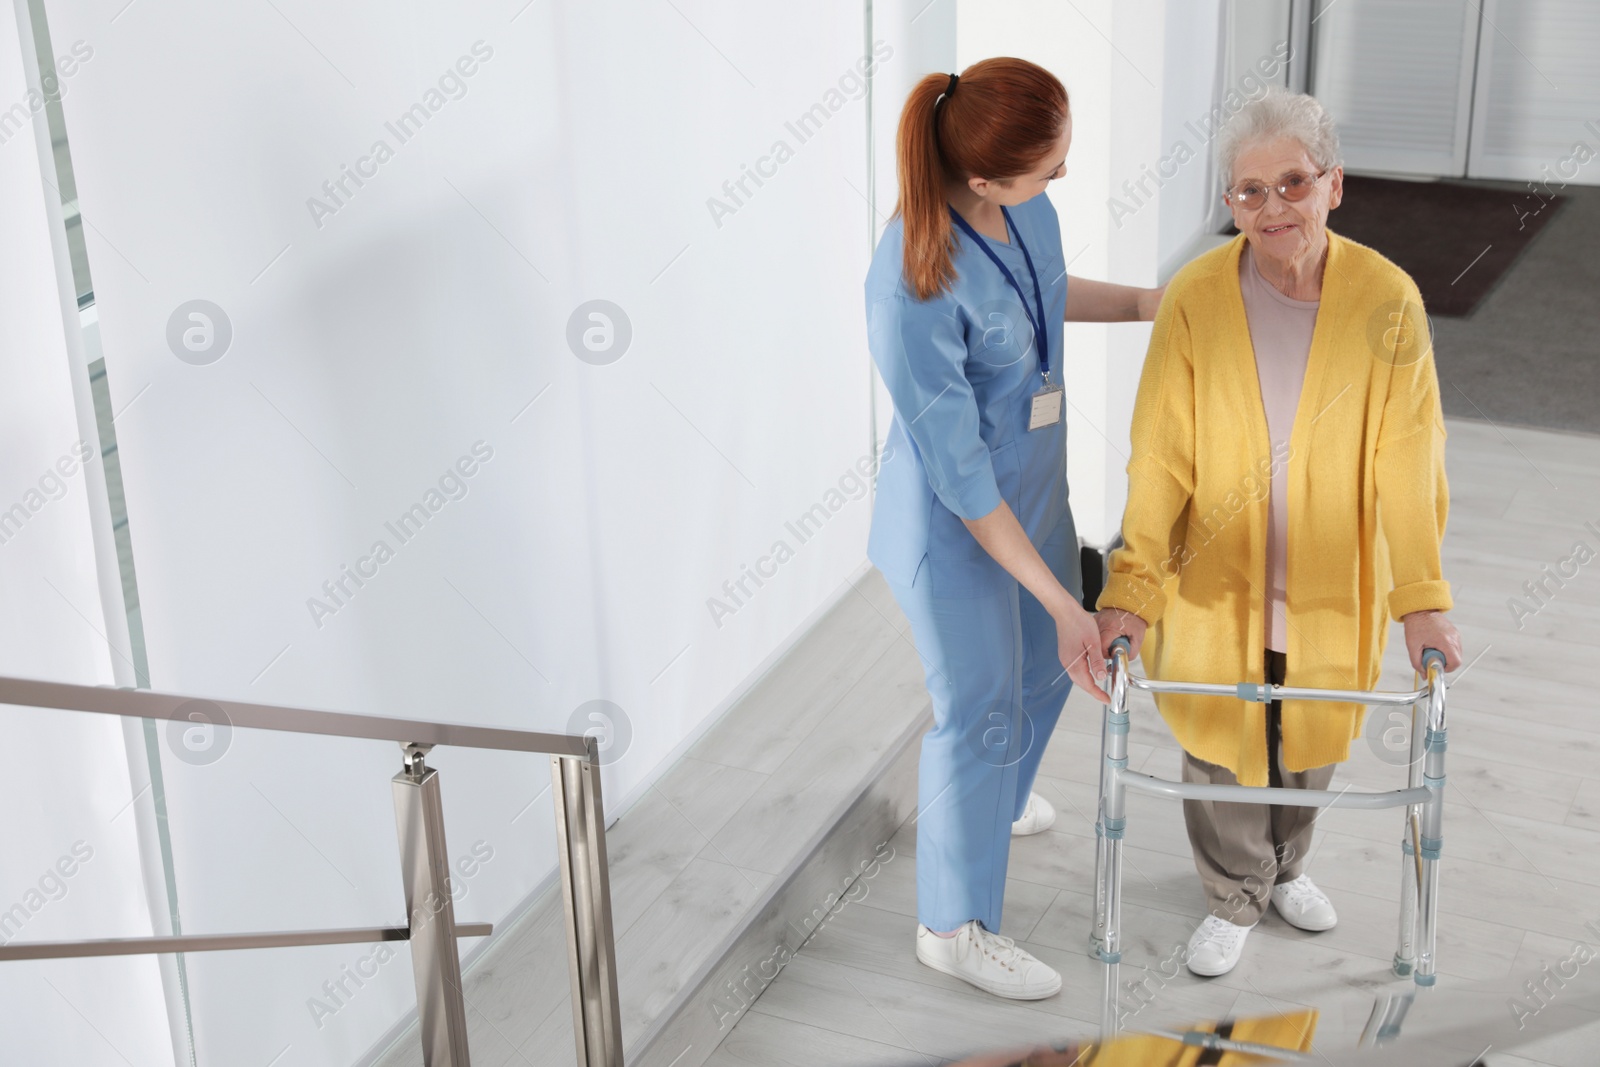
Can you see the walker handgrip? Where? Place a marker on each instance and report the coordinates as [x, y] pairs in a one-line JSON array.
[[1124, 644], [1431, 655]]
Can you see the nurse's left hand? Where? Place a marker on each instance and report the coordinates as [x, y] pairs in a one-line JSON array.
[[1149, 301], [1078, 645]]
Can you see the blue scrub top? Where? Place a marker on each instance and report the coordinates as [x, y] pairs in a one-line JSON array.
[[962, 372]]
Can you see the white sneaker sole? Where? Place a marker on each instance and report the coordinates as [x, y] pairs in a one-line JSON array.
[[1211, 974], [1007, 991], [1300, 925], [1189, 963]]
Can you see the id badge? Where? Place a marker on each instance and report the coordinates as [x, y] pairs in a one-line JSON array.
[[1046, 409]]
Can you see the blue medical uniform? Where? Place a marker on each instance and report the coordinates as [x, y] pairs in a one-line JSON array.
[[961, 369]]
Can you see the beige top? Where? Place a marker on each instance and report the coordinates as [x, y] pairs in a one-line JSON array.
[[1280, 333]]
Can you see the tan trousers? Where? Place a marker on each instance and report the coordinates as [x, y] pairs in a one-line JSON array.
[[1242, 850]]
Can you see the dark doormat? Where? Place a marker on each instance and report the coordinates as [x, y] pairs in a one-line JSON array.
[[1456, 240]]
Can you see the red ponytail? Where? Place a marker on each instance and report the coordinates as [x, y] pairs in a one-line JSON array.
[[1004, 116]]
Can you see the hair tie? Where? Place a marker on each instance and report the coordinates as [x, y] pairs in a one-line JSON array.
[[948, 89]]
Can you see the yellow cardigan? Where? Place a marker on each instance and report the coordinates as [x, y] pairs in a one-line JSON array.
[[1292, 1032], [1368, 431]]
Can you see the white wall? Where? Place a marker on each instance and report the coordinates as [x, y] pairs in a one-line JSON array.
[[1536, 101], [374, 346], [1135, 71], [1190, 63], [1256, 28], [70, 863], [1397, 76], [924, 38]]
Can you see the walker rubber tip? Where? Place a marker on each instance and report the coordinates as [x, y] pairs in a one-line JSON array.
[[1402, 968], [1426, 979]]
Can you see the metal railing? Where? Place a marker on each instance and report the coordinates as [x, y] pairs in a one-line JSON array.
[[432, 928], [1423, 799]]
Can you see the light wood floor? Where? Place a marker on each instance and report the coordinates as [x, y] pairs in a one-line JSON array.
[[1520, 872]]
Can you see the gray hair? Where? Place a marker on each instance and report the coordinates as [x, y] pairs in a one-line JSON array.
[[1279, 113]]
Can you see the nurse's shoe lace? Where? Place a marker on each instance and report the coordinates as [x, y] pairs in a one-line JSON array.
[[990, 961], [1003, 950], [1216, 946], [1302, 904]]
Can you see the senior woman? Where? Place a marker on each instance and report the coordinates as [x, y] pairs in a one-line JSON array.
[[1286, 493]]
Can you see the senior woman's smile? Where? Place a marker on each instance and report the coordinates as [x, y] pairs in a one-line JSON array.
[[1289, 236], [1271, 423]]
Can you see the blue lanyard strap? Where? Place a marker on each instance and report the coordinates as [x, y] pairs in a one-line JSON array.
[[1041, 338]]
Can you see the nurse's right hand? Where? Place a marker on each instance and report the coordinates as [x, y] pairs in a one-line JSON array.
[[1078, 645], [1077, 640]]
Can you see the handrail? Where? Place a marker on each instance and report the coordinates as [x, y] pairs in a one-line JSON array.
[[140, 946], [148, 704], [424, 862]]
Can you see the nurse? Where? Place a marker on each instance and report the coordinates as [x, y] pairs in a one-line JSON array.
[[971, 529]]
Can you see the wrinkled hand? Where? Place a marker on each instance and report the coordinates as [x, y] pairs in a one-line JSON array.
[[1078, 645], [1430, 629], [1114, 623]]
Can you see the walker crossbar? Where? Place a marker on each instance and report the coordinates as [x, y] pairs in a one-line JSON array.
[[1423, 801], [1302, 798], [1266, 694]]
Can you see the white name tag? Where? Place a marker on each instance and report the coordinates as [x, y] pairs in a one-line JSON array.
[[1046, 410]]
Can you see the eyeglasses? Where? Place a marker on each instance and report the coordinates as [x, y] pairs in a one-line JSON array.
[[1291, 187]]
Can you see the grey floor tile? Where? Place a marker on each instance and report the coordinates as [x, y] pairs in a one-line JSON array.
[[677, 935], [1585, 810], [784, 707], [769, 1041], [802, 792], [707, 794]]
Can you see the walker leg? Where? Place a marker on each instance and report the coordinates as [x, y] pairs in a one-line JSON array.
[[1110, 822], [1428, 899], [1109, 948], [1431, 840], [1108, 909], [1110, 1010], [1405, 955], [1102, 858]]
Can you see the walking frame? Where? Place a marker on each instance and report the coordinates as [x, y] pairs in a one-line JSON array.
[[1423, 800]]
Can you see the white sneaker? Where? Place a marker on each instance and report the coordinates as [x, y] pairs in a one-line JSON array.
[[989, 961], [1216, 946], [1038, 815], [1302, 904]]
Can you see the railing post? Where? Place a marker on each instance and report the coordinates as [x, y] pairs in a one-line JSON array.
[[430, 910], [586, 892]]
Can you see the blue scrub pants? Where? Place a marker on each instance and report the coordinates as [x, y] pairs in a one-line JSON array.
[[988, 650]]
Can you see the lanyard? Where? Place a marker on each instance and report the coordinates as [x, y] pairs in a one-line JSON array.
[[1041, 338]]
